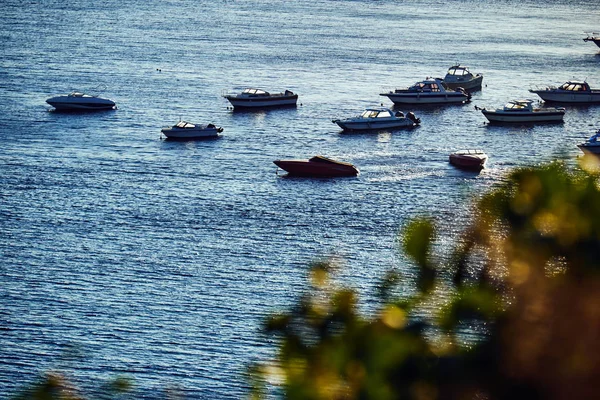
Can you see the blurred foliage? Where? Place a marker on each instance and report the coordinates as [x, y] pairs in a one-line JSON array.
[[526, 269], [54, 386]]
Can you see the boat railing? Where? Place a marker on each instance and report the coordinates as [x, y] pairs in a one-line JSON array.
[[227, 93]]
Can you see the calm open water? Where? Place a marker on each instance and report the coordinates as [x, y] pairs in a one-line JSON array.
[[124, 254]]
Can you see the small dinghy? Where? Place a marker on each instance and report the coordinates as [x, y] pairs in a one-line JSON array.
[[469, 159]]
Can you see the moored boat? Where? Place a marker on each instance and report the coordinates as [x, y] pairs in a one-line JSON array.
[[78, 101], [186, 130], [429, 91], [591, 145], [317, 166], [468, 159], [569, 92], [523, 111], [258, 98], [378, 118], [460, 76], [593, 37]]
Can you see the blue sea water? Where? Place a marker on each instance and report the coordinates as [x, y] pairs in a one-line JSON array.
[[126, 255]]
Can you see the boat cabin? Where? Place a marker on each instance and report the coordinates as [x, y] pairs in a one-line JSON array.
[[469, 152], [458, 71], [255, 92], [185, 125], [426, 86], [519, 105], [575, 87], [376, 113]]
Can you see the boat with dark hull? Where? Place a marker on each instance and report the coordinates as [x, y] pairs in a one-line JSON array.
[[459, 76], [469, 159], [317, 166], [593, 37], [429, 91], [591, 145], [78, 101], [258, 98], [569, 92]]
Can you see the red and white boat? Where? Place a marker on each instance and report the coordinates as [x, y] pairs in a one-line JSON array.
[[317, 166], [469, 159]]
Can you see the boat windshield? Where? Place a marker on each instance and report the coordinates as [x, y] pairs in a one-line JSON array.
[[517, 106], [426, 87], [325, 160], [254, 91], [458, 71], [185, 125], [473, 152], [575, 86], [376, 114]]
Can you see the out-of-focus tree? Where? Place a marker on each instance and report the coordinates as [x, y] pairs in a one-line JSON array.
[[527, 269], [54, 386]]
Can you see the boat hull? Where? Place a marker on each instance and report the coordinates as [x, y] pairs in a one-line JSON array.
[[309, 169], [61, 104], [568, 96], [420, 98], [472, 84], [349, 125], [521, 117], [593, 149], [466, 161], [258, 102], [190, 133], [595, 40]]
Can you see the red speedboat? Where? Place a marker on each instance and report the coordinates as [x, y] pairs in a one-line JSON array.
[[317, 166], [469, 159]]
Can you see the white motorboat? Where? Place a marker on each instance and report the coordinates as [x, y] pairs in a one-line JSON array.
[[460, 76], [186, 130], [258, 98], [592, 145], [77, 101], [569, 92], [523, 111], [378, 118], [429, 91]]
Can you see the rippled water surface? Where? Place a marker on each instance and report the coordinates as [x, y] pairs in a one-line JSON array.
[[125, 254]]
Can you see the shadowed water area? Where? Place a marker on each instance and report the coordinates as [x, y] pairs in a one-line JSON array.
[[125, 254]]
